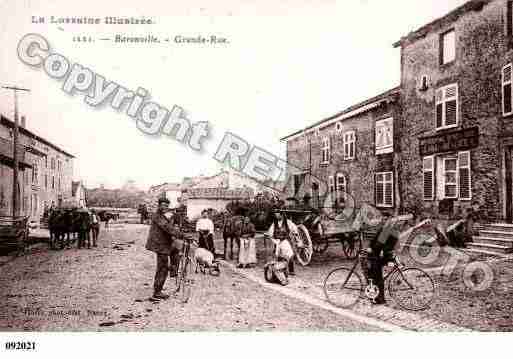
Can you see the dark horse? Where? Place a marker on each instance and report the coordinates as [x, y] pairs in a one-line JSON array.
[[232, 229], [59, 224]]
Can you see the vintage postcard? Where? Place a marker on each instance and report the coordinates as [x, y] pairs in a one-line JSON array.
[[241, 166]]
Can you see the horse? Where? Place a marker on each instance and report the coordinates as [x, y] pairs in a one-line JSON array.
[[58, 226], [232, 230]]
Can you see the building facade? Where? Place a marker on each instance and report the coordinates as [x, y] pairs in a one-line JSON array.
[[354, 152], [45, 177], [457, 133]]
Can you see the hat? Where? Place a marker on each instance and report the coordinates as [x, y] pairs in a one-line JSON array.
[[163, 200]]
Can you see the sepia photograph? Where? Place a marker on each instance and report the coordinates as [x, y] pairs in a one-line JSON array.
[[286, 172]]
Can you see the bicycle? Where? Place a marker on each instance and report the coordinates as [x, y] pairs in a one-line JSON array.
[[183, 283], [410, 287]]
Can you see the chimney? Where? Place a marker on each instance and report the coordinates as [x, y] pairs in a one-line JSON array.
[[23, 122]]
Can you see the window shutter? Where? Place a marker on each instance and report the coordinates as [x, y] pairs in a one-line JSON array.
[[389, 190], [465, 177], [353, 146], [380, 189], [506, 90], [330, 155], [451, 106], [439, 98], [429, 178]]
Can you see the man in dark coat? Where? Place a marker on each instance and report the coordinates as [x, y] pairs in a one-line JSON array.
[[162, 240]]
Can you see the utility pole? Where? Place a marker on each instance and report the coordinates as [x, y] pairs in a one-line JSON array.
[[15, 199]]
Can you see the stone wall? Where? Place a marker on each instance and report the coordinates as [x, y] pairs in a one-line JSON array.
[[482, 49]]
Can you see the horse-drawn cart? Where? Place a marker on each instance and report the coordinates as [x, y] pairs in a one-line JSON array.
[[13, 234], [312, 241]]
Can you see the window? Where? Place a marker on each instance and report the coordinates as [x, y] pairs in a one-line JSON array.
[[52, 163], [385, 136], [450, 177], [331, 190], [339, 127], [349, 145], [507, 108], [341, 183], [46, 161], [46, 181], [35, 173], [423, 86], [385, 189], [325, 151], [53, 182], [299, 180], [447, 47], [429, 178], [446, 99], [341, 188], [34, 204]]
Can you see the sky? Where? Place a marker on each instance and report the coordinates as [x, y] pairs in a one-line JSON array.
[[288, 64]]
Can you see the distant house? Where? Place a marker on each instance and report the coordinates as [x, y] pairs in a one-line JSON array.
[[217, 191], [171, 191]]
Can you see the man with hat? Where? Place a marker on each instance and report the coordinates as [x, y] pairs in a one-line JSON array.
[[161, 240]]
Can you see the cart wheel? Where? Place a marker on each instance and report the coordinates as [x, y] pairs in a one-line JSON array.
[[303, 246], [320, 245], [351, 245]]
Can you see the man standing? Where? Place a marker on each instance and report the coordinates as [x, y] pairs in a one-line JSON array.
[[205, 228], [161, 240], [95, 227]]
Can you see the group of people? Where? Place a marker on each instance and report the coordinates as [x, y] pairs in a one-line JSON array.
[[165, 238], [69, 225], [165, 235]]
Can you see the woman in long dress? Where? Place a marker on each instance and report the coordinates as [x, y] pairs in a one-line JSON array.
[[247, 250]]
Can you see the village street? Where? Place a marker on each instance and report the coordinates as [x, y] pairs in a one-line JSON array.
[[107, 288]]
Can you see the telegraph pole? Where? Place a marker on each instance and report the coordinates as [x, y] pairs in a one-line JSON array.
[[15, 148]]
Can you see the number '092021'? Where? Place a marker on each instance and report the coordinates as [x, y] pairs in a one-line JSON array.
[[20, 346]]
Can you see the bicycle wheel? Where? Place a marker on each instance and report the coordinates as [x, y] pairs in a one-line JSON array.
[[351, 246], [412, 289], [343, 287]]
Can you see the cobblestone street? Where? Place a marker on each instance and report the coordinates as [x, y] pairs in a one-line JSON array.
[[108, 289]]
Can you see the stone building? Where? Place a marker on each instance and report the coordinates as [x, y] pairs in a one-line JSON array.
[[457, 131], [354, 152], [45, 175]]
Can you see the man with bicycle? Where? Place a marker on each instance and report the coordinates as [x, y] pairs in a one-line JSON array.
[[381, 249], [162, 241]]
